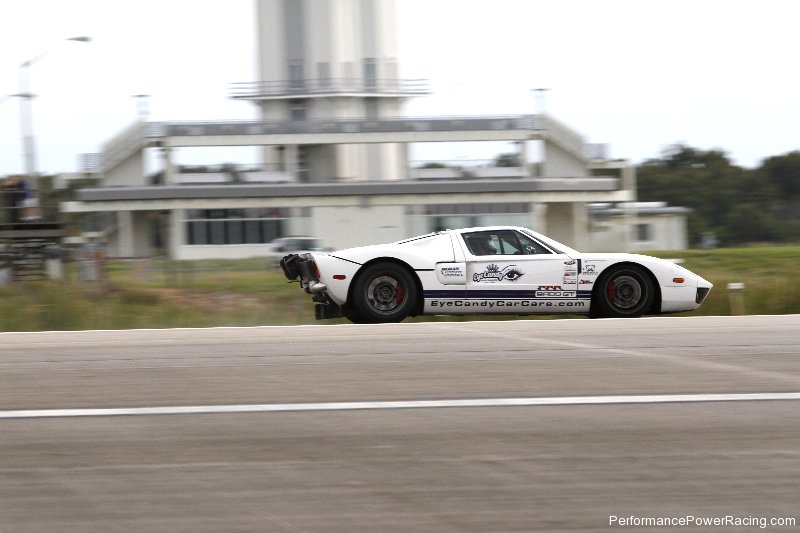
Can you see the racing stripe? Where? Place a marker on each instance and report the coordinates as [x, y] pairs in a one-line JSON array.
[[485, 294]]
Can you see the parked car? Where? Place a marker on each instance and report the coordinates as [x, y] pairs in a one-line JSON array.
[[489, 270], [298, 245]]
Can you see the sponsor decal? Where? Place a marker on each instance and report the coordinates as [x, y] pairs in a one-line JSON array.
[[506, 304], [451, 272], [590, 270], [494, 274], [553, 291], [570, 281], [555, 294], [587, 282]]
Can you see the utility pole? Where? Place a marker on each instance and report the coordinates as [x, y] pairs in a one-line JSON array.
[[26, 113]]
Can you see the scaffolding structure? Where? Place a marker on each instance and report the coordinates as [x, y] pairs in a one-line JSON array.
[[27, 242]]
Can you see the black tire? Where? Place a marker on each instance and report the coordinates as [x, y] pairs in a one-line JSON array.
[[384, 292], [623, 292], [356, 318]]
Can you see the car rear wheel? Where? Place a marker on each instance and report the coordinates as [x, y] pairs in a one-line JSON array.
[[384, 292], [355, 318], [624, 291]]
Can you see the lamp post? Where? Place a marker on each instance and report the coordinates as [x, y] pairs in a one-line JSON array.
[[26, 113], [142, 107], [540, 100]]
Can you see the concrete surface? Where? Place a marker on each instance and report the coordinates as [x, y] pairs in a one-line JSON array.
[[567, 467]]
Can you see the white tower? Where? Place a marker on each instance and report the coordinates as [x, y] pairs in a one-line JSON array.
[[327, 60]]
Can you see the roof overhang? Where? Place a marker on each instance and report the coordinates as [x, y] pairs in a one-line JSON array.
[[372, 193]]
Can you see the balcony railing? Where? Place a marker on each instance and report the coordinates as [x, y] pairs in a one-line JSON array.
[[256, 90], [330, 126]]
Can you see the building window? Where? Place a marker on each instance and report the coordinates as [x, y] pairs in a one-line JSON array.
[[370, 73], [324, 75], [235, 226], [477, 209], [297, 110], [443, 216], [371, 108], [303, 172], [644, 232], [296, 75]]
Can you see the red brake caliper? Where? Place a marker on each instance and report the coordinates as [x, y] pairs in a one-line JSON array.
[[399, 292], [611, 291]]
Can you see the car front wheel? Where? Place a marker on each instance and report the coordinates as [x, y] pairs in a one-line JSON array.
[[384, 292], [624, 291]]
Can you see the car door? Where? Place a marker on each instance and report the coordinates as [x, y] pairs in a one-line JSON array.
[[510, 272]]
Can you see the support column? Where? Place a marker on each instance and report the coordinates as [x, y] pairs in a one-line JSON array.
[[170, 177], [290, 162], [523, 158], [175, 233], [539, 218], [567, 222], [629, 184], [405, 164], [126, 235]]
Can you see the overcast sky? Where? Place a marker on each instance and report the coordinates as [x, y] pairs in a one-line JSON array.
[[639, 75]]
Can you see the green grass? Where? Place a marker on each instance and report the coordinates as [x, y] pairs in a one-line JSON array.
[[768, 273], [166, 294]]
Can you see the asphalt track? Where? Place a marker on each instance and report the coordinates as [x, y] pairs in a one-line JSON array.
[[476, 426]]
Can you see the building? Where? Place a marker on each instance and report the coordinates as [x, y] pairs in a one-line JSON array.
[[641, 226], [331, 60], [335, 155]]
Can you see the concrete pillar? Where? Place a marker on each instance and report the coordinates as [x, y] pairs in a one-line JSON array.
[[523, 158], [567, 222], [290, 161], [175, 233], [628, 183], [539, 218], [126, 236], [170, 175], [580, 229], [405, 163]]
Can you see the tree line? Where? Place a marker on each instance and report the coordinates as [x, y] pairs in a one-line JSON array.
[[738, 205]]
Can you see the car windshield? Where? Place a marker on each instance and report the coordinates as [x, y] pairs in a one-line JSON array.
[[306, 244]]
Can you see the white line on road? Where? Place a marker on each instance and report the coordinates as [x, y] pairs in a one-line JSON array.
[[411, 404]]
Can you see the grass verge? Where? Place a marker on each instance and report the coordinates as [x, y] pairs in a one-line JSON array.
[[168, 294]]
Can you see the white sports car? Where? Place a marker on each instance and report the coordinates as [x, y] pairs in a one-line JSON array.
[[489, 270]]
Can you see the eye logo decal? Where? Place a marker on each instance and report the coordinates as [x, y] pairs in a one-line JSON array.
[[493, 273]]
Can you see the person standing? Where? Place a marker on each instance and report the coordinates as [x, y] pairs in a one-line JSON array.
[[13, 198]]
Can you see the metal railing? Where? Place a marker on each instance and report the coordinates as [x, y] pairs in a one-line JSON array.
[[359, 125], [128, 141], [140, 134], [254, 90], [564, 136]]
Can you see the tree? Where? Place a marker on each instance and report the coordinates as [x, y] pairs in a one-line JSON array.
[[737, 204], [784, 172]]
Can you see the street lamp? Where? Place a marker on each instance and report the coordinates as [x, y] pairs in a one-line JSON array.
[[142, 109], [26, 114], [540, 99]]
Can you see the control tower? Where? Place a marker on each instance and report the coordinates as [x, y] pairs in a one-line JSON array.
[[322, 61]]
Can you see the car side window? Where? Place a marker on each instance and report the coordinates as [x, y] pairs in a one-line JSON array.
[[482, 243], [531, 247], [502, 242]]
